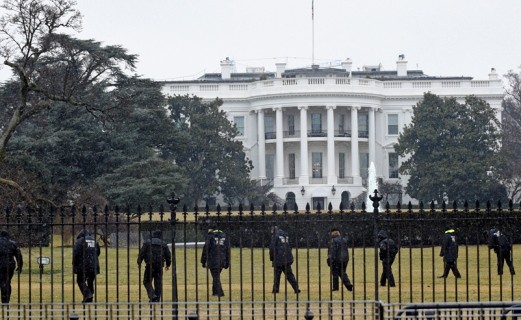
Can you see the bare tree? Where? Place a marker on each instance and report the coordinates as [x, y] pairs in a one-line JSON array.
[[511, 121], [50, 66]]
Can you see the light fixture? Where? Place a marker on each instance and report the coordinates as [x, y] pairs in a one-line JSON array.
[[302, 191], [333, 190]]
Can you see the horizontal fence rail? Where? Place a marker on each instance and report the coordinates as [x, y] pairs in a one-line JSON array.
[[49, 235]]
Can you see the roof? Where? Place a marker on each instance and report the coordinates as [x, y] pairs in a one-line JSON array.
[[316, 72]]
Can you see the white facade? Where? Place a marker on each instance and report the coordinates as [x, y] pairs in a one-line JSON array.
[[315, 131]]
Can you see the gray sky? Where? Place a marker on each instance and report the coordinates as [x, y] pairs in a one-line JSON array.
[[185, 38]]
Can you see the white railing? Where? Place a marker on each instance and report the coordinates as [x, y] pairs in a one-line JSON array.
[[450, 84], [392, 85], [300, 84], [238, 87], [421, 84]]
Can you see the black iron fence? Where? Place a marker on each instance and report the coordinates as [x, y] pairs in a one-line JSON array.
[[47, 236]]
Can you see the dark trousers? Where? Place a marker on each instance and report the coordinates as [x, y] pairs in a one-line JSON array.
[[6, 274], [502, 257], [217, 289], [338, 270], [387, 273], [290, 277], [85, 282], [153, 275], [451, 265]]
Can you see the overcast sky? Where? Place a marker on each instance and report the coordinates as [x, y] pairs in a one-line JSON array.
[[178, 39]]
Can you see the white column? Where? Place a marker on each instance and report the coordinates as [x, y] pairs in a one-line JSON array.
[[372, 136], [304, 161], [261, 139], [355, 157], [279, 171], [331, 176]]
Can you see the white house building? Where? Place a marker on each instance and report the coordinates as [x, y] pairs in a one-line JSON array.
[[314, 131]]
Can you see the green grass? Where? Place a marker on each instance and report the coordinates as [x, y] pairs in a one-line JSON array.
[[251, 277]]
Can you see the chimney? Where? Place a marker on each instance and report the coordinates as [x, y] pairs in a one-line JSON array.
[[281, 67], [347, 64], [401, 66], [227, 67], [493, 74]]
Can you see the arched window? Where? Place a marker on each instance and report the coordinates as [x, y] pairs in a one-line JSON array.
[[290, 200], [345, 200]]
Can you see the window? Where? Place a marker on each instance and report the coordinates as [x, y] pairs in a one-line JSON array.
[[239, 124], [341, 165], [316, 160], [341, 121], [363, 125], [316, 123], [290, 200], [269, 128], [270, 166], [393, 165], [364, 165], [345, 200], [392, 124], [291, 162], [291, 124]]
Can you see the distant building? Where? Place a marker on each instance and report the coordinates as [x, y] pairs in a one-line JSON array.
[[314, 131]]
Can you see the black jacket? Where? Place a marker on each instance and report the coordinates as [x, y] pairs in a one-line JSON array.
[[449, 246], [216, 250], [280, 249], [387, 246], [85, 254], [388, 249], [338, 251], [9, 252], [155, 252], [498, 241]]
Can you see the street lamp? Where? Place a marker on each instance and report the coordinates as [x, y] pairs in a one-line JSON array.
[[333, 190], [302, 191]]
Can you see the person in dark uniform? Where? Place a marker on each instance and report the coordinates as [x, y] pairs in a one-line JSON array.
[[9, 252], [388, 251], [449, 252], [85, 263], [502, 247], [337, 259], [216, 257], [282, 259], [156, 255]]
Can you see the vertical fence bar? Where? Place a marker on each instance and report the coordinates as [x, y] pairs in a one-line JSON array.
[[173, 222]]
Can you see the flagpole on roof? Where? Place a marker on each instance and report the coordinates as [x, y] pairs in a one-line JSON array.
[[312, 32]]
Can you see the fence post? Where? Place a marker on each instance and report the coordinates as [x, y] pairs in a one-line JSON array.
[[173, 201], [375, 199]]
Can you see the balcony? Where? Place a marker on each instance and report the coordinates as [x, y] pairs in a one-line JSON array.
[[270, 135], [291, 134], [317, 133], [343, 133], [290, 181]]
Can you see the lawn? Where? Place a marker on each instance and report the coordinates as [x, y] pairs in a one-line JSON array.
[[251, 277]]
